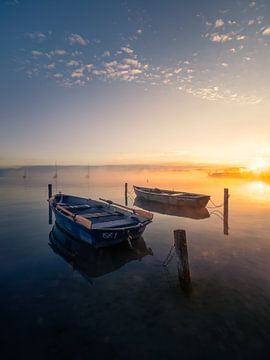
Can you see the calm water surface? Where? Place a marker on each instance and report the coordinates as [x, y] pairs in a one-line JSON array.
[[122, 303]]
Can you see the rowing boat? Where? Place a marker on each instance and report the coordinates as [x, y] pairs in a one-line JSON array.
[[99, 223], [176, 198]]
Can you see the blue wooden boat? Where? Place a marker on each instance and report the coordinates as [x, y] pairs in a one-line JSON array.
[[98, 223]]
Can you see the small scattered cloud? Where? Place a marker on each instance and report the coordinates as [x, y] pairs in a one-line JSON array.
[[266, 31], [89, 67], [225, 65], [106, 54], [58, 52], [78, 73], [132, 62], [58, 75], [77, 39], [51, 66], [240, 37], [252, 4], [219, 23], [36, 36], [73, 63], [36, 53], [127, 50], [220, 38]]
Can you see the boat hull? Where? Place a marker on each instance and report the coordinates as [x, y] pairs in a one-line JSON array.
[[169, 199], [97, 237]]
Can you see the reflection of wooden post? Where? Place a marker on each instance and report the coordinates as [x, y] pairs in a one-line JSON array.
[[49, 191], [50, 215], [126, 194], [226, 212], [180, 243]]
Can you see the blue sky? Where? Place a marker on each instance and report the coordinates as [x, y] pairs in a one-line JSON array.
[[122, 81]]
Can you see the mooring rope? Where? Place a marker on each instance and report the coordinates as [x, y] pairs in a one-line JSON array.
[[215, 205], [218, 214], [169, 257]]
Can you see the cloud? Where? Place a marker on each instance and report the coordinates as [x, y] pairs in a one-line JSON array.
[[252, 4], [78, 73], [106, 54], [89, 67], [219, 23], [51, 66], [127, 50], [77, 39], [73, 63], [240, 37], [266, 32], [58, 52], [110, 64], [36, 53], [225, 65], [36, 36], [220, 38], [58, 75], [132, 62]]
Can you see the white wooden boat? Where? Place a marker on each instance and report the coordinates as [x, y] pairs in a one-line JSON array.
[[176, 198]]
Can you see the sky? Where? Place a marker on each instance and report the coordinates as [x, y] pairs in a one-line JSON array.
[[130, 82]]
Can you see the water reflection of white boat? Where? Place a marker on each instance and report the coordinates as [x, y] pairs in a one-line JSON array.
[[92, 262], [177, 198], [167, 209]]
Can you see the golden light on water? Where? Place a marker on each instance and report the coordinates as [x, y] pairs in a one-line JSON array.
[[259, 165]]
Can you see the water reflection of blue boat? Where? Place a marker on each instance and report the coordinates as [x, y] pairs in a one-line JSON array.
[[172, 210], [92, 262], [97, 223]]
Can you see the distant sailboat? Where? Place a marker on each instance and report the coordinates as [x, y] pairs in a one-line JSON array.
[[55, 173], [24, 174], [88, 173]]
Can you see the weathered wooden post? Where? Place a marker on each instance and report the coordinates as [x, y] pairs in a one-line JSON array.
[[226, 212], [50, 209], [180, 244], [49, 191], [126, 194]]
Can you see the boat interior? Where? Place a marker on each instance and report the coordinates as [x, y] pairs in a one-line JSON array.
[[94, 211]]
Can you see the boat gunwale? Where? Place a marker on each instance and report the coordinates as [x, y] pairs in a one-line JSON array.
[[166, 193], [127, 214]]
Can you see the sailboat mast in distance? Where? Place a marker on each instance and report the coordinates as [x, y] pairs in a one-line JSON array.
[[88, 172], [24, 174], [55, 173]]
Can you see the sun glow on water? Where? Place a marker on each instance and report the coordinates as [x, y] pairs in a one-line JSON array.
[[259, 166]]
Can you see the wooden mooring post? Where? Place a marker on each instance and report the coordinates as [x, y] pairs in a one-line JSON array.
[[49, 191], [226, 212], [50, 209], [126, 194], [180, 243]]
